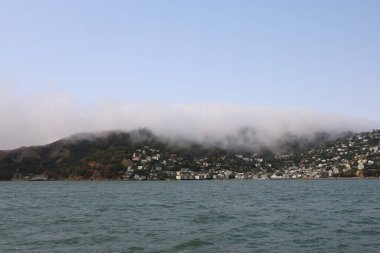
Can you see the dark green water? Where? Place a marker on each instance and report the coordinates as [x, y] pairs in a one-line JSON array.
[[191, 216]]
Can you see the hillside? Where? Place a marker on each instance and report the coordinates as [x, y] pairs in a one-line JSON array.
[[140, 155]]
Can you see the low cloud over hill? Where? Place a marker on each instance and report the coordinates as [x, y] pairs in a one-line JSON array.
[[34, 119]]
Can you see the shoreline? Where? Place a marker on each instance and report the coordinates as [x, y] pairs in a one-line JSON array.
[[121, 180]]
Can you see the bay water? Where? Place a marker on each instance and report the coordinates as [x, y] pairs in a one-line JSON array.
[[190, 216]]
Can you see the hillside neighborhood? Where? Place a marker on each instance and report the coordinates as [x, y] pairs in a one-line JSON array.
[[356, 155]]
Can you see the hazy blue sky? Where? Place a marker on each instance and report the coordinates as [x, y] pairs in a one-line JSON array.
[[322, 56]]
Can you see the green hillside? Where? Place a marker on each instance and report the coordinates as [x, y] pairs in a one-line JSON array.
[[140, 155]]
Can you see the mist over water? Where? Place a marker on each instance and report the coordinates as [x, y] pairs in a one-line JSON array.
[[41, 118]]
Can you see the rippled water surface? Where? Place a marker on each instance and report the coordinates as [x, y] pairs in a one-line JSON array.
[[191, 216]]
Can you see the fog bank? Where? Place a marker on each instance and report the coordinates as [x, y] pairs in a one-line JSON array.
[[45, 117]]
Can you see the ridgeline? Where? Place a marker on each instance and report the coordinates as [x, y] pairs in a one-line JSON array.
[[140, 155]]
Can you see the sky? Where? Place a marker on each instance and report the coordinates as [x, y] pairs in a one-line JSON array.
[[77, 58]]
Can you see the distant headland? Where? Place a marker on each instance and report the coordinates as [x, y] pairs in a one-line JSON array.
[[141, 155]]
